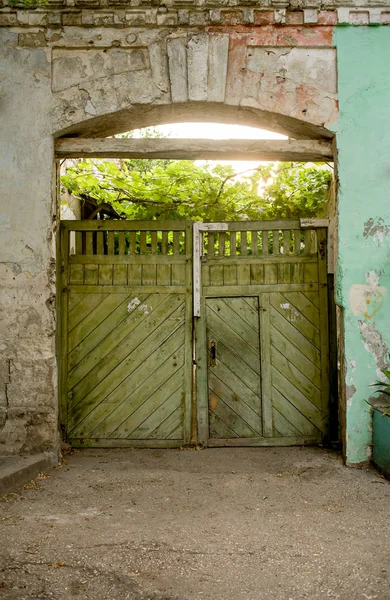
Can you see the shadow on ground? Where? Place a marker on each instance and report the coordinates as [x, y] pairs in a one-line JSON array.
[[220, 524]]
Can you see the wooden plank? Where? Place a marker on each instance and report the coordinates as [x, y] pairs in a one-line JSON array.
[[282, 426], [110, 243], [105, 274], [247, 308], [163, 274], [82, 309], [243, 277], [257, 274], [297, 241], [142, 243], [164, 243], [121, 242], [261, 442], [233, 243], [286, 242], [254, 243], [296, 357], [271, 273], [234, 321], [149, 274], [134, 274], [297, 273], [233, 340], [216, 275], [310, 273], [221, 244], [143, 370], [131, 260], [243, 243], [275, 242], [91, 274], [292, 414], [201, 375], [265, 243], [305, 306], [229, 275], [112, 365], [236, 374], [210, 244], [284, 273], [196, 149], [176, 243], [239, 416], [218, 428], [113, 329], [76, 275], [237, 261], [135, 288], [153, 242], [266, 381], [81, 442], [296, 398], [173, 424], [296, 377], [119, 275], [154, 410], [189, 428], [132, 243], [99, 242], [111, 419], [88, 242], [90, 320], [254, 290], [78, 242], [178, 274], [296, 318], [295, 337]]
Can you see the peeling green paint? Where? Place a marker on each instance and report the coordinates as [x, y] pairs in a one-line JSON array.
[[363, 273]]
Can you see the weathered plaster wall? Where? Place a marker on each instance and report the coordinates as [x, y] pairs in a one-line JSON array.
[[363, 275], [28, 402]]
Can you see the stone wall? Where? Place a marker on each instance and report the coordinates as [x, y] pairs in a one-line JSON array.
[[94, 68]]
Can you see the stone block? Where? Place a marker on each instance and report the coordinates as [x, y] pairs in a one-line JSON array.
[[231, 17], [263, 17], [165, 19], [310, 15], [71, 18], [327, 17], [359, 17], [294, 18], [199, 19]]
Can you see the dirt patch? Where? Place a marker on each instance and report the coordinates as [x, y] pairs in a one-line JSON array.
[[220, 524]]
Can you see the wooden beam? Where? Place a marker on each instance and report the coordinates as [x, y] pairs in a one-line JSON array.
[[196, 149]]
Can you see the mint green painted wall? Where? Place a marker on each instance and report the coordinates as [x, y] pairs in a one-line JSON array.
[[363, 274]]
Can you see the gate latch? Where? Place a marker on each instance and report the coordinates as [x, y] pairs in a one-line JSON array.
[[213, 353]]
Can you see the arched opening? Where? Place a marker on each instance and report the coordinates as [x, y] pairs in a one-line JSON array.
[[239, 289]]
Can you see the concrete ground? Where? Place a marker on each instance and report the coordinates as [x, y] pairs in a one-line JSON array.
[[219, 524]]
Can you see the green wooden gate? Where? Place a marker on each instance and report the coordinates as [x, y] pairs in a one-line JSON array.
[[127, 355], [126, 333], [262, 334]]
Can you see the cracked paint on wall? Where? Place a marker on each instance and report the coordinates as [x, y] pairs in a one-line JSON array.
[[363, 274]]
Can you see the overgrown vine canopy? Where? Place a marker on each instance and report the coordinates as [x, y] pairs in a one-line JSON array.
[[171, 189]]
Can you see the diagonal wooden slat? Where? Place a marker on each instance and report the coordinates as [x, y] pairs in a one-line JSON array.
[[220, 306], [297, 379], [219, 429], [83, 309], [292, 414], [153, 406], [233, 340], [295, 337], [295, 397], [291, 314], [105, 337], [171, 428], [145, 386], [104, 328], [235, 404], [104, 417], [100, 311], [122, 380], [313, 297], [247, 309], [117, 359], [282, 426], [305, 306], [235, 365], [295, 357], [168, 405], [74, 298], [237, 386], [227, 412]]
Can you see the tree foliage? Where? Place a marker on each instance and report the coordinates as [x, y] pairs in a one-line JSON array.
[[168, 189]]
